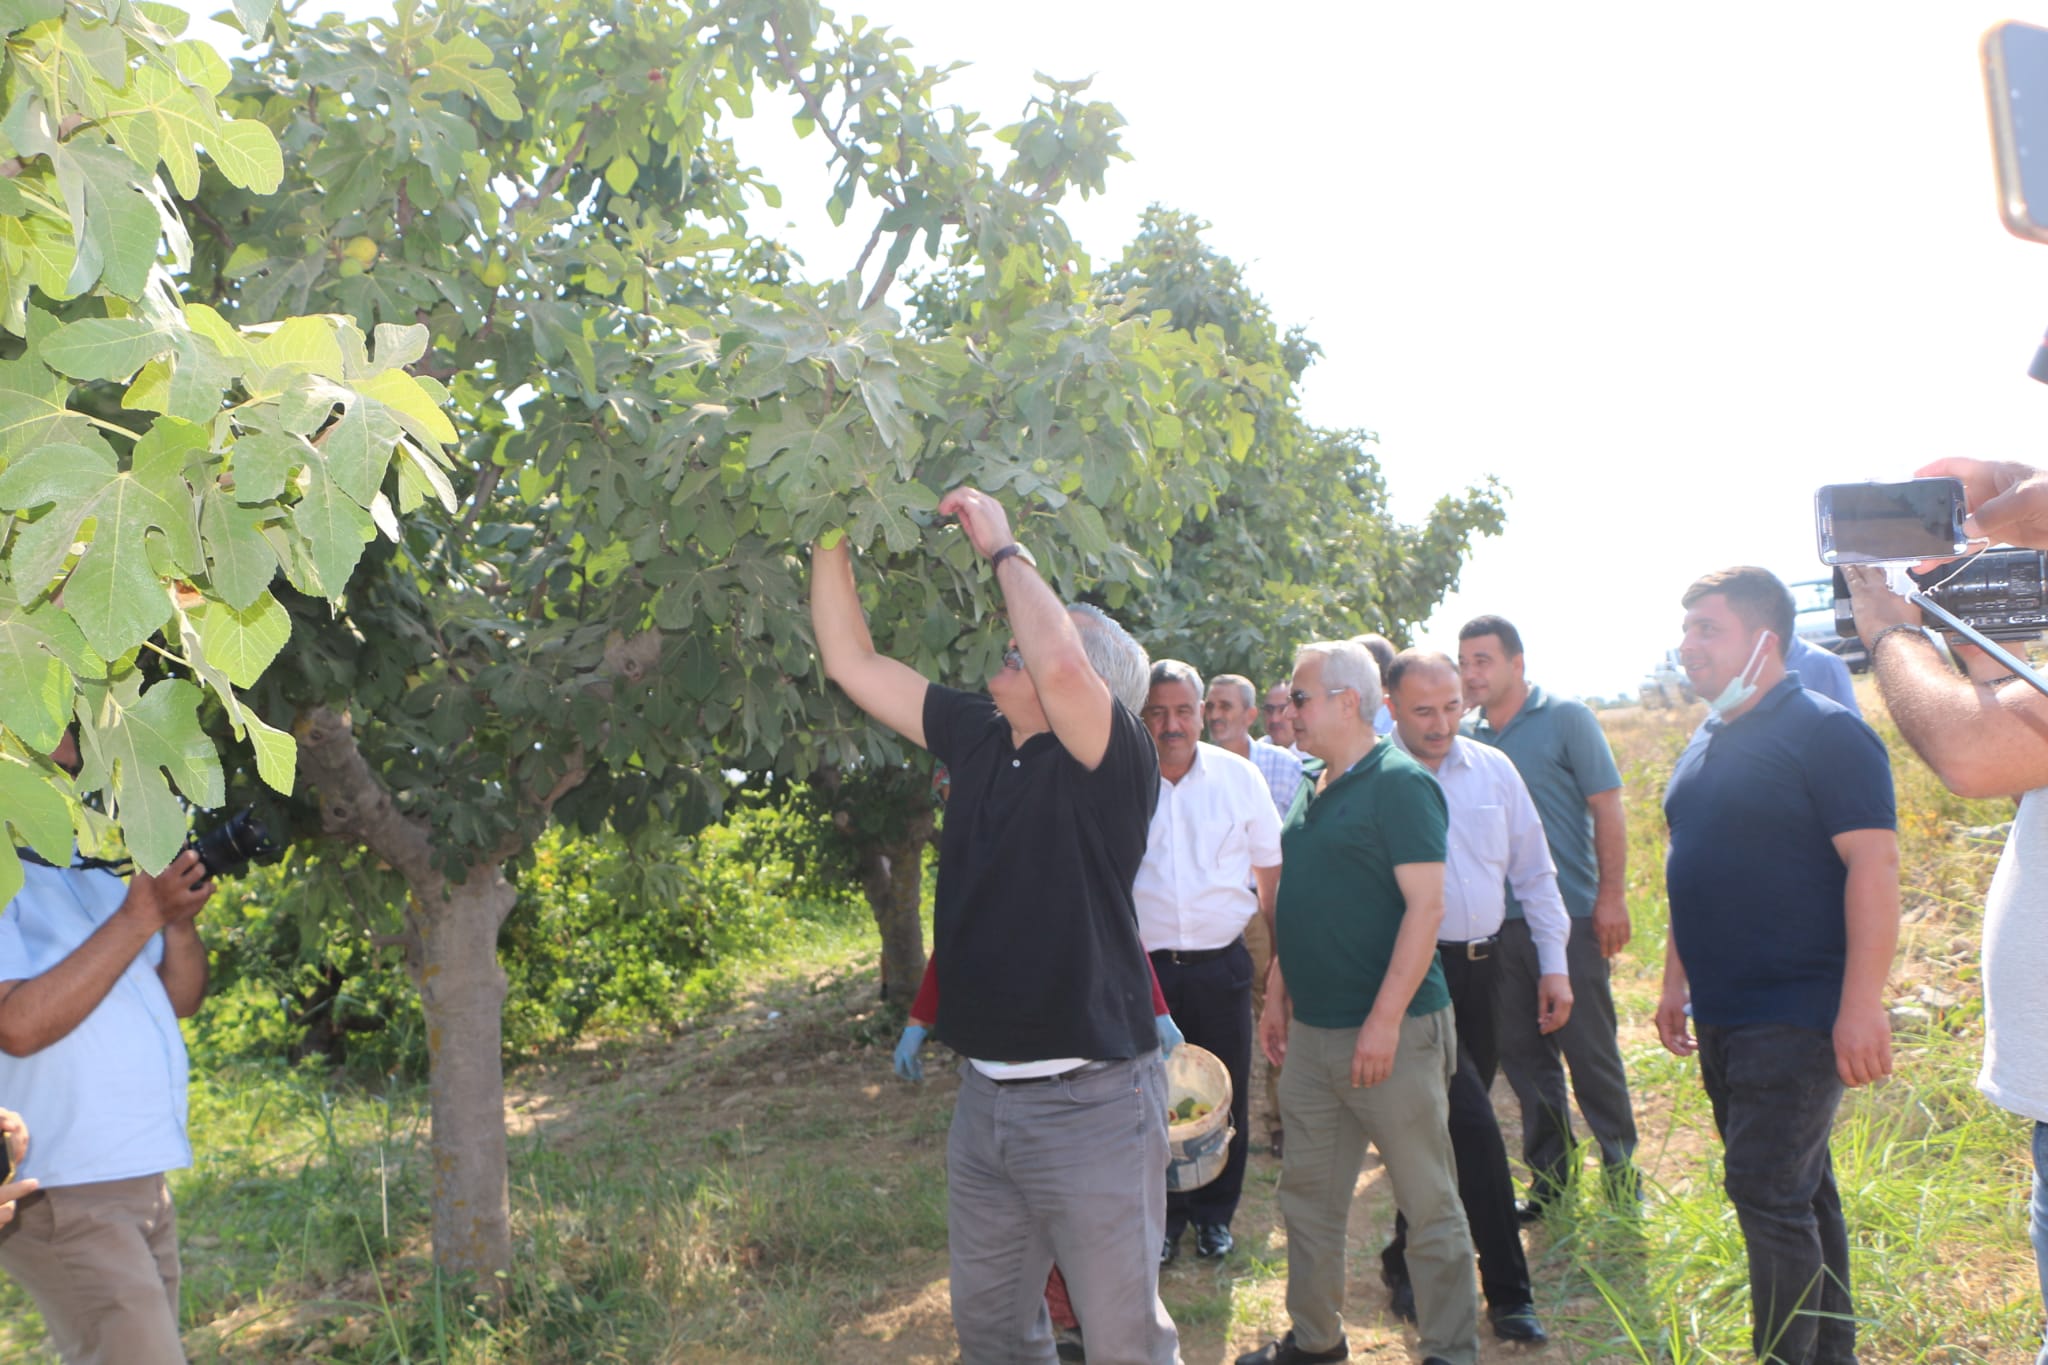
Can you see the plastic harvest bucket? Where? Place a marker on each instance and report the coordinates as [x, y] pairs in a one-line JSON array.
[[1197, 1149]]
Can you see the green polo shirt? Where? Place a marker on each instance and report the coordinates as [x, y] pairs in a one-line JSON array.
[[1561, 752], [1340, 907]]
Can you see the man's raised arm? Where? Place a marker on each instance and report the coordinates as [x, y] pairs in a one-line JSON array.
[[1077, 702], [889, 691]]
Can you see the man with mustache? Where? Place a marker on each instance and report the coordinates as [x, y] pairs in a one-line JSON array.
[[1214, 836]]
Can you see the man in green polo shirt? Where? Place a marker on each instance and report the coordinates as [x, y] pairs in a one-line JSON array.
[[1357, 1009]]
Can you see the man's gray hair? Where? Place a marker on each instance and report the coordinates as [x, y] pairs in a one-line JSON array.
[[1347, 664], [1118, 659], [1174, 671], [1238, 681]]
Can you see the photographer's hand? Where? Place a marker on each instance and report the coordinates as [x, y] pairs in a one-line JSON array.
[[2008, 501], [1876, 606]]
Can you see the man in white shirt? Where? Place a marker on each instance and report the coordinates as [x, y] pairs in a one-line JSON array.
[[1214, 837], [1229, 709], [1496, 840], [94, 976]]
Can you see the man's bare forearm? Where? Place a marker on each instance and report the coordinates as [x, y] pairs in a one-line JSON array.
[[1870, 908], [1980, 740], [1610, 842], [184, 969], [1414, 945], [40, 1010]]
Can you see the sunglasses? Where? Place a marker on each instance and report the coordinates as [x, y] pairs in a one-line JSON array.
[[1274, 708], [1301, 698]]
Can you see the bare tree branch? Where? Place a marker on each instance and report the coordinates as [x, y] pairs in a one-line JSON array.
[[888, 276]]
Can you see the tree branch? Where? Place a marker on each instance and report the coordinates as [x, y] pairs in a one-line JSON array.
[[787, 60], [888, 276], [553, 181], [354, 802]]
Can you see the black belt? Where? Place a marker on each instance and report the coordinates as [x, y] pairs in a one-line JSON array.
[[1472, 950], [1187, 957], [1068, 1075]]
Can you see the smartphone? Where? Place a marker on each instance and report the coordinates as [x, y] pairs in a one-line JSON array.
[[2016, 85], [1870, 523]]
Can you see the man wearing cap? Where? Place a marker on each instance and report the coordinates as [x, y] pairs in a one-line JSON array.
[[1058, 1145], [1214, 837]]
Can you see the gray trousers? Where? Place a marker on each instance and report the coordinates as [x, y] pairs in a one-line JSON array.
[[1073, 1172], [1535, 1062], [1329, 1121]]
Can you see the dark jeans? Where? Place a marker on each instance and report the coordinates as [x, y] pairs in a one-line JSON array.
[[1484, 1186], [1535, 1062], [1211, 1001], [1774, 1092]]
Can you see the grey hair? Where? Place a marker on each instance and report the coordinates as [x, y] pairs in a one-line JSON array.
[[1347, 664], [1174, 671], [1118, 659], [1238, 681]]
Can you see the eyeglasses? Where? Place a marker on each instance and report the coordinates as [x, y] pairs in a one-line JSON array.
[[1013, 658], [1274, 708], [1301, 698]]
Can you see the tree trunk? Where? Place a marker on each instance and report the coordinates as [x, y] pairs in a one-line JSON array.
[[462, 995], [892, 875]]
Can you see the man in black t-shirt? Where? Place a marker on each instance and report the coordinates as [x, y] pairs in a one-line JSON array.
[[1058, 1144]]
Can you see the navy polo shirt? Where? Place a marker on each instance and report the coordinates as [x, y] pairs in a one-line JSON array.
[[1754, 880], [1033, 927]]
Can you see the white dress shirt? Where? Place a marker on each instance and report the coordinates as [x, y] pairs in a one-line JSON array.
[[1209, 831], [1496, 841]]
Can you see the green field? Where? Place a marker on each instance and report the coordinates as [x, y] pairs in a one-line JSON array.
[[756, 1186]]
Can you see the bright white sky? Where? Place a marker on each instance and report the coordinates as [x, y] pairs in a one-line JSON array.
[[1662, 270]]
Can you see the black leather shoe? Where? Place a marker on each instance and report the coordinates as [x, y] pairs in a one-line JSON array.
[[1400, 1295], [1278, 1145], [1170, 1252], [1435, 1360], [1517, 1322], [1213, 1240], [1285, 1352], [1531, 1211]]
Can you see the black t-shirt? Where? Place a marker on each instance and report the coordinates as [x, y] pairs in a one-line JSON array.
[[1035, 933]]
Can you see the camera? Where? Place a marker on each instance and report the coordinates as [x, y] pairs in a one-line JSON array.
[[227, 847], [2002, 594]]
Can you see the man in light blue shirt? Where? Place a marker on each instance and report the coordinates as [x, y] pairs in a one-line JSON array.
[[94, 976], [1495, 840], [1822, 672]]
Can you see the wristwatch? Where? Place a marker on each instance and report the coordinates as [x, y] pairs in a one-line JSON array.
[[1011, 551]]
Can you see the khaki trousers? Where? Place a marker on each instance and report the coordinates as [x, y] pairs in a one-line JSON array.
[[101, 1262], [1329, 1122], [1259, 939]]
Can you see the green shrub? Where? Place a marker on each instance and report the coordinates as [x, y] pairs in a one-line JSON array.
[[609, 934]]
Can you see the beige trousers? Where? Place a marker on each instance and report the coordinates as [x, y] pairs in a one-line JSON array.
[[1406, 1116], [101, 1262]]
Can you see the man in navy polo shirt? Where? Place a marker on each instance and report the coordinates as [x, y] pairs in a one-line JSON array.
[[1783, 878], [1058, 1145]]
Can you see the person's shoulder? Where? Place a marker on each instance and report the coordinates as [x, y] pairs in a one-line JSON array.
[[1227, 765], [1400, 768], [1488, 760]]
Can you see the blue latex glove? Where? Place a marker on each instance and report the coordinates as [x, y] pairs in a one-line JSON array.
[[906, 1060], [1170, 1036]]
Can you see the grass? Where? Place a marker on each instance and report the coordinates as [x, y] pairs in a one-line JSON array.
[[761, 1189]]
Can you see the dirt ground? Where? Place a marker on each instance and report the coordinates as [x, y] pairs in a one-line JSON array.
[[797, 1041]]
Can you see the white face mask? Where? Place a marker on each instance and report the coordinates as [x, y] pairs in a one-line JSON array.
[[1742, 686]]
